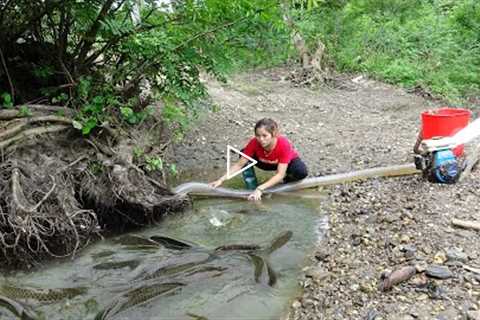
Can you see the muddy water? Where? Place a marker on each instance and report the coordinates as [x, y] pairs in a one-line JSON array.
[[122, 273]]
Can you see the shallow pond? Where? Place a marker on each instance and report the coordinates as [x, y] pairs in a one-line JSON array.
[[130, 277]]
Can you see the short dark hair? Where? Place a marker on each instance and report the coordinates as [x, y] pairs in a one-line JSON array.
[[267, 123]]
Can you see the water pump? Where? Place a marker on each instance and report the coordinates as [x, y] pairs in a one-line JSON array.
[[439, 166]]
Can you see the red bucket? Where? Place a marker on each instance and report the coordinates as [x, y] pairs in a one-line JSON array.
[[445, 122]]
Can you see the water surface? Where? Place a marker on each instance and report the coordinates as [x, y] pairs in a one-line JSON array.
[[221, 288]]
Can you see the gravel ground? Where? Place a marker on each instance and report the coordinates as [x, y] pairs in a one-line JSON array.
[[376, 226]]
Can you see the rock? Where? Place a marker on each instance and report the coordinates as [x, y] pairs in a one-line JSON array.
[[296, 304], [438, 272], [440, 257], [473, 315], [449, 314], [409, 250], [419, 280], [454, 254], [390, 218], [404, 238], [317, 273], [421, 266], [322, 254]]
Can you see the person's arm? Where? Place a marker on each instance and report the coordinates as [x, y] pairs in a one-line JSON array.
[[234, 168], [276, 179]]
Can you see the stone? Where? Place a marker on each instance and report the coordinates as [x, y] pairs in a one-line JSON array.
[[438, 272], [409, 251], [317, 273], [449, 314], [296, 304], [421, 266], [454, 254], [473, 315], [440, 257], [404, 238]]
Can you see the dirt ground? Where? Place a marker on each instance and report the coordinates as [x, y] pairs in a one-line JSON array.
[[376, 226]]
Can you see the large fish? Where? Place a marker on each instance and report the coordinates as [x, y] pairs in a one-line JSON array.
[[191, 265], [172, 243], [263, 272], [18, 309], [135, 297], [41, 295]]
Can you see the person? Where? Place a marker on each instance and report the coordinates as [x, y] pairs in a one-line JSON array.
[[274, 152]]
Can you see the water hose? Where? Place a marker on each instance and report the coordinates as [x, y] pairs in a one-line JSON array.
[[203, 189]]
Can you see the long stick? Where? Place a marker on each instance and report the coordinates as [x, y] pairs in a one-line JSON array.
[[466, 224], [12, 89]]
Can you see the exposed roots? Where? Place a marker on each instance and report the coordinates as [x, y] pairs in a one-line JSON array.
[[40, 216], [123, 195], [60, 191]]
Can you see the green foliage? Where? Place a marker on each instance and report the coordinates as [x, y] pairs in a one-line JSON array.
[[153, 163], [7, 100], [433, 44], [24, 112], [94, 57], [133, 117]]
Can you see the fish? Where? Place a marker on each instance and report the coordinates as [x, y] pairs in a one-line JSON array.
[[190, 263], [237, 247], [171, 243], [136, 242], [172, 267], [41, 295], [136, 297], [132, 264], [18, 309], [263, 272], [196, 316]]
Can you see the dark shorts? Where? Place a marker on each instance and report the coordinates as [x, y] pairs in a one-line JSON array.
[[296, 170]]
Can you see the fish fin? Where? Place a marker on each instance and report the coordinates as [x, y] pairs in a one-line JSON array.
[[279, 241], [272, 276], [258, 265]]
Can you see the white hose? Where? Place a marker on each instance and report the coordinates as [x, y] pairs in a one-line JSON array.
[[203, 189]]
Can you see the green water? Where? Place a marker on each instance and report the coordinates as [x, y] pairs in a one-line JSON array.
[[224, 288]]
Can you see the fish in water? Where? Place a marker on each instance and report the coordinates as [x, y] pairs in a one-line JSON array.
[[196, 316], [172, 267], [136, 297], [18, 309], [172, 243], [132, 264], [41, 295], [136, 242], [263, 272], [154, 242]]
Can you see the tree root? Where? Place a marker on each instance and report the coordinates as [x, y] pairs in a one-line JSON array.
[[39, 224], [31, 132], [58, 194]]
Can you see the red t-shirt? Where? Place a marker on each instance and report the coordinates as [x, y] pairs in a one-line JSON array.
[[282, 153]]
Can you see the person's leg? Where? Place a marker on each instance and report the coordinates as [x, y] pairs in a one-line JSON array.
[[249, 176], [250, 179], [296, 170]]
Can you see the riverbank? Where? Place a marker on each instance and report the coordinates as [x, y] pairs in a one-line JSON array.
[[376, 225]]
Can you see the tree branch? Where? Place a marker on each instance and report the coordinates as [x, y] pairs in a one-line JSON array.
[[89, 38], [12, 89]]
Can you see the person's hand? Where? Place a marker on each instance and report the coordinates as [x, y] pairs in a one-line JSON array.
[[255, 195], [216, 183]]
